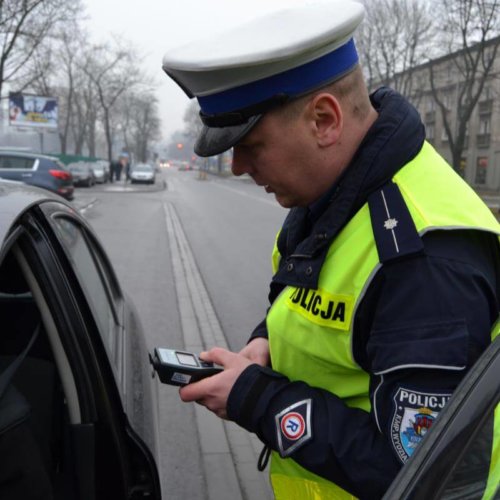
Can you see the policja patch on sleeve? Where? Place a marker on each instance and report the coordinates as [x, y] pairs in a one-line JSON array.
[[414, 414], [293, 427]]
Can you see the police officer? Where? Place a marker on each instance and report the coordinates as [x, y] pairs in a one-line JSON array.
[[386, 269]]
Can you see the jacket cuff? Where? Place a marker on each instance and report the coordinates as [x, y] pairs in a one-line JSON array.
[[246, 391]]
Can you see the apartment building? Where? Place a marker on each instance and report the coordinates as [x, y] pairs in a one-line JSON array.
[[480, 158]]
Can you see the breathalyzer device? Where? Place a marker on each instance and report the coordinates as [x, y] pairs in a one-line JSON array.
[[180, 367]]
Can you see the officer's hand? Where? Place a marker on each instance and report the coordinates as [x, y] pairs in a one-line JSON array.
[[257, 351], [212, 392]]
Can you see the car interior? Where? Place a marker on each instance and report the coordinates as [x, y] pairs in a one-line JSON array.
[[36, 463]]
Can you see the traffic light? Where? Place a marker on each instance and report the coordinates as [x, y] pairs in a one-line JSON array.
[[180, 145]]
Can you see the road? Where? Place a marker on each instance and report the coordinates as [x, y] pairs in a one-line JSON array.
[[195, 259]]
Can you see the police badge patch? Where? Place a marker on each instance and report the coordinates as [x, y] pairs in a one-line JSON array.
[[414, 414], [293, 427]]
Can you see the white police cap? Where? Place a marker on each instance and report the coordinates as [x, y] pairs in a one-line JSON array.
[[240, 73]]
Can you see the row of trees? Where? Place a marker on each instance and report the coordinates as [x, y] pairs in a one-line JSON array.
[[101, 88], [398, 36], [401, 35]]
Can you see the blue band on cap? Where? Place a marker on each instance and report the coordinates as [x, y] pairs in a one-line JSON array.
[[292, 82]]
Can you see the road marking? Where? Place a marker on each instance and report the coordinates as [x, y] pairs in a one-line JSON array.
[[229, 453], [87, 206]]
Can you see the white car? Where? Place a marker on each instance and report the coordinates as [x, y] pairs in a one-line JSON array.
[[101, 171], [142, 172]]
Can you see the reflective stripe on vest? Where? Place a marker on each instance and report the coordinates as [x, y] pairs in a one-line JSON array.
[[310, 331]]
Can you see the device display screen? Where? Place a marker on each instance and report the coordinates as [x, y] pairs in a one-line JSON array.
[[186, 359]]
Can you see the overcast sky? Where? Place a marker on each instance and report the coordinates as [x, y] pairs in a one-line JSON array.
[[155, 26]]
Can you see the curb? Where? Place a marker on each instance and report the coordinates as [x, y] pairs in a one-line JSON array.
[[229, 453]]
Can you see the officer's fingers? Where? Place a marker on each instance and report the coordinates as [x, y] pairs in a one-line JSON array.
[[218, 355], [195, 391], [210, 386], [257, 351], [221, 413], [207, 393]]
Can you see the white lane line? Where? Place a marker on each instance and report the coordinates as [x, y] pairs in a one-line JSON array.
[[229, 452], [87, 207]]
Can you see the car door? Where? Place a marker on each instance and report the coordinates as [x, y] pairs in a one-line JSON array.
[[85, 319], [119, 325], [454, 461]]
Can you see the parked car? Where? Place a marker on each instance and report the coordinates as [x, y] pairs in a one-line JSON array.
[[101, 171], [82, 172], [79, 416], [142, 172], [38, 170]]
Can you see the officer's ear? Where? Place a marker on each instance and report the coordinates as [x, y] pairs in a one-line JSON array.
[[326, 119]]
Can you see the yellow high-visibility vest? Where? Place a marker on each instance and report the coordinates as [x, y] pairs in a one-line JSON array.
[[310, 331]]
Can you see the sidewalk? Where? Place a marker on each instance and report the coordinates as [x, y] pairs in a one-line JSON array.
[[127, 187]]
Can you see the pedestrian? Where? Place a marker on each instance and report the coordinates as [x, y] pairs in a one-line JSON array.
[[123, 166], [111, 171], [386, 269], [119, 167], [127, 170]]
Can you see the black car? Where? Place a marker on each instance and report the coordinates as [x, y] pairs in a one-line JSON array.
[[460, 455], [38, 170], [83, 174], [77, 404]]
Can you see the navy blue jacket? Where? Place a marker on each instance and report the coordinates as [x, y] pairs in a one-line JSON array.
[[434, 308]]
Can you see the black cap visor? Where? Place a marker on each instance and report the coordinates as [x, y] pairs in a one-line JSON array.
[[216, 140]]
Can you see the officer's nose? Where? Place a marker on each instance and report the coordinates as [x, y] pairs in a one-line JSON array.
[[241, 163]]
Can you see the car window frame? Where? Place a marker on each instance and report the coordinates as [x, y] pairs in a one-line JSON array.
[[97, 265], [46, 267], [109, 281], [33, 168], [52, 163], [460, 421]]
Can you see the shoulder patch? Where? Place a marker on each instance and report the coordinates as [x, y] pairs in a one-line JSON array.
[[293, 427], [413, 415], [393, 228]]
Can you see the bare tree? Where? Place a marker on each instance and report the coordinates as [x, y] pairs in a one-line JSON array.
[[470, 31], [192, 122], [87, 113], [56, 72], [24, 25], [395, 37], [145, 123], [112, 70]]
